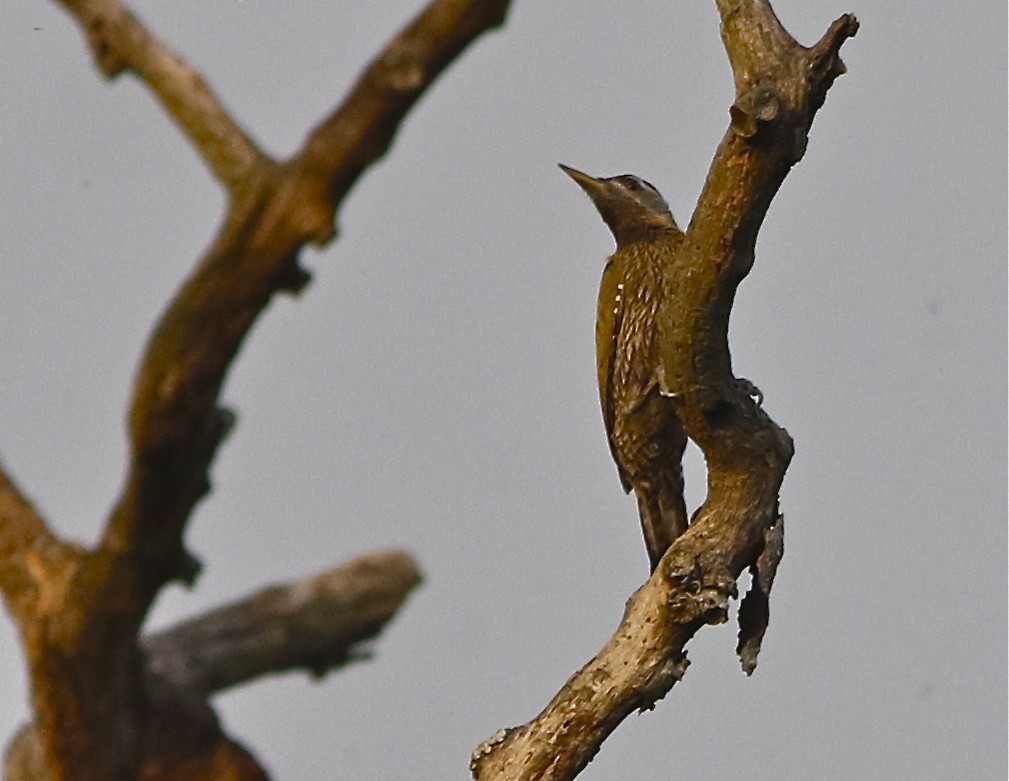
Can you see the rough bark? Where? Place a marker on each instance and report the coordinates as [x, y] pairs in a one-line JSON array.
[[99, 712], [779, 86]]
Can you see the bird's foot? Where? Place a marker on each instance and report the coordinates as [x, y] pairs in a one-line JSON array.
[[750, 390]]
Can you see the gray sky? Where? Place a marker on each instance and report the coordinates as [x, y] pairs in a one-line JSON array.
[[434, 387]]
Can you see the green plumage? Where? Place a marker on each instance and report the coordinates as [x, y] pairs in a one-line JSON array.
[[644, 435]]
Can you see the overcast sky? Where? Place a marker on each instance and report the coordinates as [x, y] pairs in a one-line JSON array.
[[434, 387]]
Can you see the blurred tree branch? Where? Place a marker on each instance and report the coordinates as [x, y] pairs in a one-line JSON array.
[[315, 624], [99, 712], [779, 86], [120, 43], [26, 548]]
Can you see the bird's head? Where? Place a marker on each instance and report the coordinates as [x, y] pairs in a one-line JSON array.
[[632, 208]]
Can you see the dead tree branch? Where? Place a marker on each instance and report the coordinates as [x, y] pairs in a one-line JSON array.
[[80, 610], [120, 43], [315, 624], [28, 552], [779, 87]]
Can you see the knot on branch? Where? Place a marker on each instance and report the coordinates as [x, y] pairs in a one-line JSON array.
[[699, 594], [753, 109], [402, 68], [100, 39], [299, 208], [187, 568], [291, 277]]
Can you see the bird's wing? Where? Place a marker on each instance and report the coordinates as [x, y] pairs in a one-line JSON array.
[[609, 313]]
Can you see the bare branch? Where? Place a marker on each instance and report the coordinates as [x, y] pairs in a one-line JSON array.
[[639, 664], [780, 84], [779, 87], [89, 683], [28, 551], [175, 423], [645, 657], [361, 130], [316, 624], [120, 42]]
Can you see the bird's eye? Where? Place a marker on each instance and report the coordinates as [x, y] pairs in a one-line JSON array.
[[632, 183]]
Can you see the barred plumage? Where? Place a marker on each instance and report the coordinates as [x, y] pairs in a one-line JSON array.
[[644, 435]]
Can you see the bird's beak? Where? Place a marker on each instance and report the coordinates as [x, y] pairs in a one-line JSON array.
[[592, 186]]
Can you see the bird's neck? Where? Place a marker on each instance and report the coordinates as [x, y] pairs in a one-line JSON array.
[[639, 232]]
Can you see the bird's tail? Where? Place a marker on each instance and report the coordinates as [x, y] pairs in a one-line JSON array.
[[663, 514]]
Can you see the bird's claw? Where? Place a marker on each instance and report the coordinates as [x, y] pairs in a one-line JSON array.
[[750, 390]]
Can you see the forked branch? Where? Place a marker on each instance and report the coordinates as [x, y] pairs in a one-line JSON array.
[[80, 610], [779, 87]]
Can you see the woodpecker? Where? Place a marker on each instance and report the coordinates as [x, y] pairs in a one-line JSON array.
[[644, 434]]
